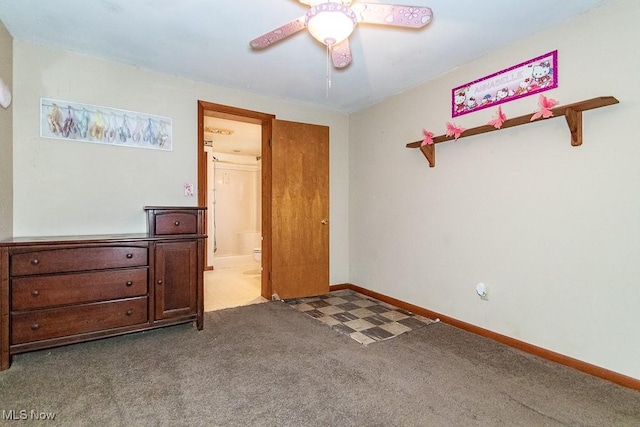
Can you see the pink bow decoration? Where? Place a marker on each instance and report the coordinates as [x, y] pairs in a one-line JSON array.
[[546, 104], [428, 138], [453, 130], [498, 121]]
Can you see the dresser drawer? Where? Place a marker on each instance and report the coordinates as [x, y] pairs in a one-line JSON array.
[[77, 259], [50, 323], [31, 292], [176, 223]]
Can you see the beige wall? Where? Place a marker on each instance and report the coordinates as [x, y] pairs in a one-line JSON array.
[[66, 187], [6, 138], [552, 230]]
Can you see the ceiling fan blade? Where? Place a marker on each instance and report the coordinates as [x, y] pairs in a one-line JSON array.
[[315, 2], [278, 34], [341, 54], [391, 14]]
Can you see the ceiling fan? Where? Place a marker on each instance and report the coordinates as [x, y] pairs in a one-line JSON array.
[[332, 21]]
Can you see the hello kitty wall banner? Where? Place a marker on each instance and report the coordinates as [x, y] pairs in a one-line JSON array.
[[526, 78]]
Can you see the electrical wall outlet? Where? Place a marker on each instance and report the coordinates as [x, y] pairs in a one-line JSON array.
[[188, 189], [482, 291]]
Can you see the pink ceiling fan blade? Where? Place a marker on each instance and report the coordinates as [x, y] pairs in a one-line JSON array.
[[390, 14], [315, 2], [341, 54], [342, 18], [278, 34]]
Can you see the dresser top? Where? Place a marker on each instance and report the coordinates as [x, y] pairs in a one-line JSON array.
[[107, 238], [97, 238], [175, 208]]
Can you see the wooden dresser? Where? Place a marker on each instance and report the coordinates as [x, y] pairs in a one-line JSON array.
[[62, 290]]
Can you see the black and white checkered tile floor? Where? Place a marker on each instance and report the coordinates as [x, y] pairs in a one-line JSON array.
[[364, 319]]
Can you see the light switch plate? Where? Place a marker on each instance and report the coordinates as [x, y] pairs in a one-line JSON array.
[[188, 189]]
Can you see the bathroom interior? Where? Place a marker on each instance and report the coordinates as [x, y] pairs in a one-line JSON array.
[[234, 243]]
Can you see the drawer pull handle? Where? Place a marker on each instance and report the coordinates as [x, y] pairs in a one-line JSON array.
[[35, 261], [129, 283], [177, 223], [35, 293], [160, 282], [35, 327], [129, 312], [129, 256]]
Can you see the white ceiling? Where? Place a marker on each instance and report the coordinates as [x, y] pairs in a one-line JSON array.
[[246, 139], [208, 40]]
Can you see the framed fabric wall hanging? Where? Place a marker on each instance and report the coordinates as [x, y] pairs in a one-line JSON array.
[[104, 125]]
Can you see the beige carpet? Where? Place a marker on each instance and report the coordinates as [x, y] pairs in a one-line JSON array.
[[271, 365]]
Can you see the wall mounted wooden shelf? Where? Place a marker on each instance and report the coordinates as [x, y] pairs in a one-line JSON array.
[[571, 112]]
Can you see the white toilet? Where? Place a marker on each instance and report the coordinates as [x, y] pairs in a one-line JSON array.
[[257, 255]]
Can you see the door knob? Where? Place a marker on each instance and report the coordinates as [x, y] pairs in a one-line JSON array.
[[324, 222]]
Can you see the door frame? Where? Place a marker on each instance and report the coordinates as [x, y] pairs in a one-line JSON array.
[[247, 116]]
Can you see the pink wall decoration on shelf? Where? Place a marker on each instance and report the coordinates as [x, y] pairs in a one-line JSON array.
[[526, 78]]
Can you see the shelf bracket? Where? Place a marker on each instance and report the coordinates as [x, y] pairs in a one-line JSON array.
[[429, 152], [572, 113], [574, 120]]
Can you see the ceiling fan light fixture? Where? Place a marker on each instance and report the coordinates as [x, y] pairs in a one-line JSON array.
[[330, 23]]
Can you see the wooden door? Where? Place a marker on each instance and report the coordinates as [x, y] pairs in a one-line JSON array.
[[176, 277], [299, 209]]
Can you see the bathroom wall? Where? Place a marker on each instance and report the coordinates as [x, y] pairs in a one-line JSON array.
[[234, 204], [552, 230], [6, 137]]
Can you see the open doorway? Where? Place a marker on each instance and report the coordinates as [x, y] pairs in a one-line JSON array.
[[234, 163], [230, 181], [294, 200], [234, 247]]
